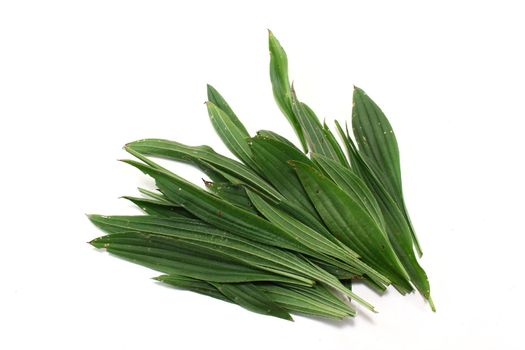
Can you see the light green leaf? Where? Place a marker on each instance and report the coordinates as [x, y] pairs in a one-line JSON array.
[[281, 85]]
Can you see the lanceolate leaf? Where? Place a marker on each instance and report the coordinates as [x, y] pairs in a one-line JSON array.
[[191, 154], [252, 298], [352, 184], [281, 85], [313, 130], [377, 142], [275, 136], [234, 194], [216, 211], [185, 259], [351, 224], [192, 284], [154, 195], [233, 137], [315, 300], [216, 98], [214, 242], [376, 139], [157, 208], [315, 240], [272, 158], [335, 146], [396, 226], [222, 214]]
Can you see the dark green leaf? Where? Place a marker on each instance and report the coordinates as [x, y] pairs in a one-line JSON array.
[[184, 259], [272, 158], [234, 194], [193, 154], [377, 142], [158, 208], [193, 285], [351, 224], [352, 184], [233, 137], [216, 98], [253, 299]]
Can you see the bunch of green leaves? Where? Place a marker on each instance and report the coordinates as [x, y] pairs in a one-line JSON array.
[[282, 229]]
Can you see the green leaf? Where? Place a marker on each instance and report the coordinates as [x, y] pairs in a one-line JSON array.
[[314, 240], [216, 98], [217, 211], [281, 85], [399, 234], [211, 239], [185, 259], [396, 227], [192, 284], [222, 214], [158, 208], [377, 142], [272, 158], [352, 184], [233, 137], [193, 154], [275, 136], [317, 138], [335, 146], [155, 195], [234, 194], [207, 243], [351, 224], [316, 300], [253, 299]]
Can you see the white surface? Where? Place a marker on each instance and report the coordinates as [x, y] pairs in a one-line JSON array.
[[80, 79]]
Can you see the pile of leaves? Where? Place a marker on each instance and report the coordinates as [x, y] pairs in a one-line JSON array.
[[282, 229]]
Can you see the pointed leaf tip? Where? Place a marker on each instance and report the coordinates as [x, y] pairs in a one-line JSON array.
[[98, 243]]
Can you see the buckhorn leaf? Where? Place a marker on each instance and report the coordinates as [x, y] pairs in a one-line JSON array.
[[272, 158], [281, 85], [250, 297], [315, 135], [186, 260], [376, 140], [352, 184], [351, 224], [192, 284], [233, 137], [234, 194], [190, 154], [216, 98], [396, 227], [234, 248], [157, 208], [314, 240]]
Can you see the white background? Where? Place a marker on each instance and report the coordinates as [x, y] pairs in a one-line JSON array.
[[78, 79]]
